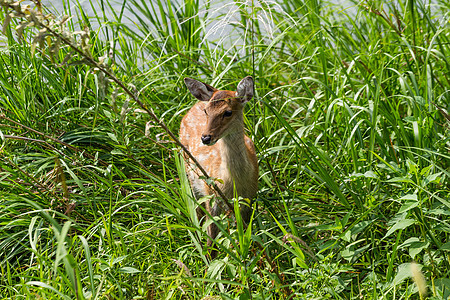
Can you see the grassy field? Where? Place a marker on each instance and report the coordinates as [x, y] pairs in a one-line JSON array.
[[350, 122]]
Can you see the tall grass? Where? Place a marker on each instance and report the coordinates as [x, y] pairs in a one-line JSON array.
[[350, 122]]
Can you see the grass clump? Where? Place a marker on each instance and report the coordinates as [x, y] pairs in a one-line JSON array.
[[350, 123]]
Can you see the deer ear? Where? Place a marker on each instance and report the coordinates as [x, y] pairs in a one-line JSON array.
[[199, 90], [245, 89]]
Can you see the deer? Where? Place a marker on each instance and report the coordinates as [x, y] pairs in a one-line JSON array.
[[213, 131]]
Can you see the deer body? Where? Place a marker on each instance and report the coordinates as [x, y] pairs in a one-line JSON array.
[[213, 131]]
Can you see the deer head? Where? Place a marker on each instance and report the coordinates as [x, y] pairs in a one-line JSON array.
[[224, 110]]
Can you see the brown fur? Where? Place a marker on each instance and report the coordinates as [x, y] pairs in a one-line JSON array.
[[231, 157]]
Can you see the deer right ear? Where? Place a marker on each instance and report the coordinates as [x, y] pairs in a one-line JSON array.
[[199, 90], [245, 89]]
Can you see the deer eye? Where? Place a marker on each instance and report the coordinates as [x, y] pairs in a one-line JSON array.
[[227, 113], [205, 112]]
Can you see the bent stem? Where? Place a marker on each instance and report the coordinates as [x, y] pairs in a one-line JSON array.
[[134, 96], [89, 60]]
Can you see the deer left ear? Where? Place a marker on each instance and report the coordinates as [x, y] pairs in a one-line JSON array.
[[245, 89], [200, 90]]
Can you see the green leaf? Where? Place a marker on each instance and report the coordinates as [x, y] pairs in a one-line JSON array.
[[113, 137], [360, 226], [409, 197], [46, 286], [445, 247], [432, 178], [129, 270], [412, 167], [350, 254], [402, 224], [370, 174], [409, 241], [407, 206], [439, 212], [403, 272], [117, 152], [416, 248], [443, 288], [347, 253], [87, 253], [414, 245], [401, 179]]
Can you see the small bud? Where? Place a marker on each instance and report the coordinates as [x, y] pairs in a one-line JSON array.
[[148, 125], [124, 111], [6, 23]]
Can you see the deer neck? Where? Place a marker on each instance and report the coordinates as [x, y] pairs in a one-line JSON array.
[[235, 157], [233, 144], [236, 169]]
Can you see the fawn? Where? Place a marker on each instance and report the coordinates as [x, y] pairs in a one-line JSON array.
[[213, 131]]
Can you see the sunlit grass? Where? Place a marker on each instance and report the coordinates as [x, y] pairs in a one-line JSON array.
[[351, 126]]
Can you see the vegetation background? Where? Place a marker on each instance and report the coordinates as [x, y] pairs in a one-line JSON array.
[[350, 122]]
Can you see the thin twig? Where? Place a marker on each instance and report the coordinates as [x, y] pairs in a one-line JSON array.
[[22, 138], [135, 97], [31, 177], [73, 148], [16, 137]]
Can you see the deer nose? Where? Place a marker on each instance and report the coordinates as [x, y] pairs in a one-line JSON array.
[[206, 139]]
